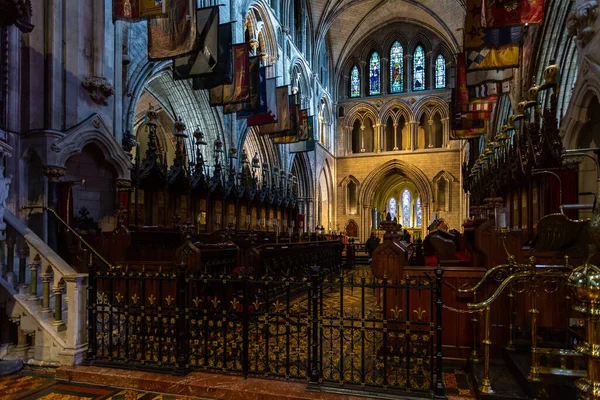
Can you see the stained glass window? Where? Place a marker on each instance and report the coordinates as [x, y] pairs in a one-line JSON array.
[[392, 207], [419, 212], [406, 207], [374, 66], [396, 68], [419, 69], [440, 72], [354, 82]]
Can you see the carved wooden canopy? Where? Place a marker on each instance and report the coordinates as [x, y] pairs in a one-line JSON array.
[[16, 12]]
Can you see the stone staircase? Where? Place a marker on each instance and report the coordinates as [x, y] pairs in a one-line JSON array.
[[43, 298]]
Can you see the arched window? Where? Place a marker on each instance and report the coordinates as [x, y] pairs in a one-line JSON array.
[[419, 212], [396, 68], [354, 82], [419, 69], [406, 208], [392, 207], [374, 66], [440, 72]]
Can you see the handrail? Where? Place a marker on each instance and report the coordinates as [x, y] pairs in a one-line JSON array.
[[38, 244], [484, 278], [503, 285], [62, 221]]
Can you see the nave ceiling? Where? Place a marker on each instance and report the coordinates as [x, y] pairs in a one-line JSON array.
[[346, 22]]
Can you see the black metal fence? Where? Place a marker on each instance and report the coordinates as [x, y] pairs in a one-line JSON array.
[[337, 330]]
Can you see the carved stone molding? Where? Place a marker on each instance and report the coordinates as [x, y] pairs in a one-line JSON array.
[[123, 184], [18, 13], [580, 22], [4, 186], [54, 173], [100, 89]]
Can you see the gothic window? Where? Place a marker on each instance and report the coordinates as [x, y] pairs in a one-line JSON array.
[[396, 68], [392, 207], [419, 68], [351, 189], [406, 207], [440, 72], [419, 212], [441, 194], [374, 76], [354, 82]]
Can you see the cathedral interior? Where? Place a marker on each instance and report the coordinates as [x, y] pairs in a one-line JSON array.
[[299, 199]]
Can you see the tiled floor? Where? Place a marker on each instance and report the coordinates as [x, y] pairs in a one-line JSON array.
[[29, 385]]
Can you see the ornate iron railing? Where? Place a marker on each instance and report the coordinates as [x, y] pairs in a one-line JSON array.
[[329, 330]]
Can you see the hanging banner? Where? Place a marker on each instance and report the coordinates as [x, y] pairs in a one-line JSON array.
[[175, 35], [223, 72], [270, 114], [135, 10], [283, 113], [205, 59], [514, 12]]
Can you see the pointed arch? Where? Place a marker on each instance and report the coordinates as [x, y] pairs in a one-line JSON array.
[[440, 72], [354, 82], [419, 76], [396, 67], [374, 74]]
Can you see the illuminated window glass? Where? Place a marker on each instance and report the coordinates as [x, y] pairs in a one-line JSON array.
[[440, 72], [392, 207], [419, 69], [396, 68], [354, 82], [374, 67], [419, 212], [406, 207]]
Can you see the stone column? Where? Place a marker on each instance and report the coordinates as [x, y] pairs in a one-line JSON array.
[[348, 140], [414, 140], [429, 76], [366, 227], [46, 278], [54, 174], [34, 267], [395, 136], [364, 82], [430, 133], [384, 71], [408, 73], [362, 138], [308, 216], [58, 322], [446, 132], [377, 138]]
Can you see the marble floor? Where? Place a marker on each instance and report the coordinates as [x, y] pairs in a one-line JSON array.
[[93, 383]]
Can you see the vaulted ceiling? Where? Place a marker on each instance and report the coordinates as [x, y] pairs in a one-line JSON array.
[[346, 22]]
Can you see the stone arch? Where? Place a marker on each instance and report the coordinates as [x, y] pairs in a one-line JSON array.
[[421, 39], [429, 105], [351, 228], [361, 111], [299, 79], [412, 172], [92, 130], [442, 183], [253, 142], [587, 87], [301, 166], [368, 48], [388, 110], [391, 38], [268, 33], [350, 187]]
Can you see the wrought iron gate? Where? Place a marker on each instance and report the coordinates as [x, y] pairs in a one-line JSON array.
[[331, 330]]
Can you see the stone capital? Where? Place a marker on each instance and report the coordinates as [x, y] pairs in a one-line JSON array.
[[54, 173], [123, 184]]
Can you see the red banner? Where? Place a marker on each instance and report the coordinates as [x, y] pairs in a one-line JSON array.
[[462, 93], [498, 13]]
